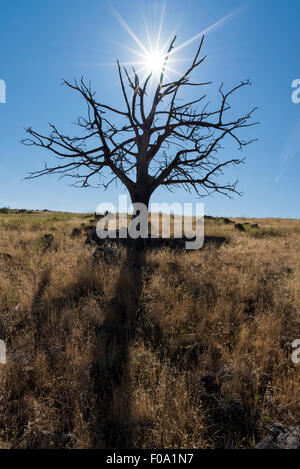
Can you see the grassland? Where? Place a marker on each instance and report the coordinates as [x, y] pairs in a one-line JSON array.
[[167, 349]]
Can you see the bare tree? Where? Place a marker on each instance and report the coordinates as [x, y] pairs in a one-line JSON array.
[[157, 140]]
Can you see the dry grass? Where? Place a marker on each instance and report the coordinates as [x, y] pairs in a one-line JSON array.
[[115, 353]]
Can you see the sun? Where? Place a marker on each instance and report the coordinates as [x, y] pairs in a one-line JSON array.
[[158, 60], [154, 62]]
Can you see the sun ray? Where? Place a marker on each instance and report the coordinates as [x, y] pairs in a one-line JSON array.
[[128, 29], [156, 59], [130, 49], [183, 59], [148, 35], [210, 28], [170, 69], [160, 25], [112, 64]]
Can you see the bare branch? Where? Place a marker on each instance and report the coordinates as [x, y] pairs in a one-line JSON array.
[[175, 143]]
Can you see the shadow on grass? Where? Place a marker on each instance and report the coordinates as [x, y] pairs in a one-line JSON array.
[[112, 374], [115, 426], [110, 377], [38, 314]]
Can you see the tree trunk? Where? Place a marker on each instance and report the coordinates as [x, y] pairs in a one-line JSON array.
[[138, 197]]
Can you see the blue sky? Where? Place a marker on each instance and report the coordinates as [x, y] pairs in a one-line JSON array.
[[43, 42]]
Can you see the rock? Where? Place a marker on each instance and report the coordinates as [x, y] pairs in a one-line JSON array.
[[108, 254], [5, 256], [42, 439], [239, 226], [91, 236], [99, 216], [280, 438], [290, 439], [76, 232], [155, 243], [286, 271], [210, 381], [88, 228], [46, 241], [228, 222], [216, 240]]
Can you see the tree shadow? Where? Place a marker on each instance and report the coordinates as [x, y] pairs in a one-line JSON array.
[[114, 423], [38, 313], [110, 374], [115, 428]]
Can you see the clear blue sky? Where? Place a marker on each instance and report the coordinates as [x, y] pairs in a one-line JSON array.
[[43, 42]]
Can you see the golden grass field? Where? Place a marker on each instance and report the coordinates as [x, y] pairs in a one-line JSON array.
[[121, 354]]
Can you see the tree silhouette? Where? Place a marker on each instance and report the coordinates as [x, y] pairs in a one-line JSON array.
[[153, 141]]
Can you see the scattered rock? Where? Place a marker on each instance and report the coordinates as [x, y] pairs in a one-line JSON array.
[[108, 254], [48, 240], [76, 232], [239, 226], [99, 216], [286, 271], [91, 236], [280, 438], [88, 228], [228, 222], [42, 439], [23, 210], [211, 380], [155, 243], [5, 256], [216, 240]]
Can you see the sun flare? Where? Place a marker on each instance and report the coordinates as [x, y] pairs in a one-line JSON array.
[[154, 62], [155, 59]]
